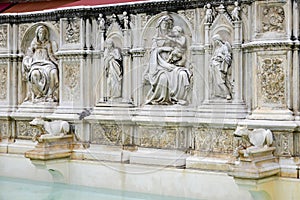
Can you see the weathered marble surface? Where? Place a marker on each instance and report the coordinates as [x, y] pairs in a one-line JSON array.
[[179, 80]]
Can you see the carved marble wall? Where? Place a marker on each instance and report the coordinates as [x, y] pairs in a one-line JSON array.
[[173, 71]]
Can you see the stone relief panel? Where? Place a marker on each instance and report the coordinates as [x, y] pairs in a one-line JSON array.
[[3, 82], [4, 129], [273, 19], [3, 36], [284, 143], [271, 76], [70, 33], [165, 138], [211, 140], [71, 81], [110, 134], [167, 67], [40, 67], [26, 131]]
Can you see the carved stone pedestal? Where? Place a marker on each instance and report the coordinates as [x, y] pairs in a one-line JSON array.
[[53, 147], [256, 163]]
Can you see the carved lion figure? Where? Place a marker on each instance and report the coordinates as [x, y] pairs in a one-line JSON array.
[[54, 128]]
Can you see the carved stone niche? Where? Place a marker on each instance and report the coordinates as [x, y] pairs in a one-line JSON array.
[[167, 61], [40, 81], [111, 79], [221, 61]]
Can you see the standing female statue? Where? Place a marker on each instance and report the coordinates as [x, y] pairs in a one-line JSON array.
[[220, 64], [166, 73], [40, 68], [113, 68]]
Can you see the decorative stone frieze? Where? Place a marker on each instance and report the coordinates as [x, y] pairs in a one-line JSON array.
[[26, 131], [214, 140], [110, 134], [166, 138]]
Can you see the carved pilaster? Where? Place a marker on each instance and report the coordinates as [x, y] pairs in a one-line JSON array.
[[207, 57], [137, 55], [237, 62]]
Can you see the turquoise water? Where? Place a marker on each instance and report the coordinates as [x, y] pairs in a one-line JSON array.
[[20, 189]]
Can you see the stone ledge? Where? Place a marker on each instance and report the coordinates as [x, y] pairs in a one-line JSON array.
[[102, 153], [208, 163], [158, 157]]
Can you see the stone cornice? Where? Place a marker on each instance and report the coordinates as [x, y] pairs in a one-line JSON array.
[[150, 7], [269, 44]]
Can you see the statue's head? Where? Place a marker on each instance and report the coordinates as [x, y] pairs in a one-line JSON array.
[[240, 131], [42, 33], [110, 43], [165, 22]]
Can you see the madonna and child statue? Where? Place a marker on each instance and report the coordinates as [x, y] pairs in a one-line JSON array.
[[167, 73]]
